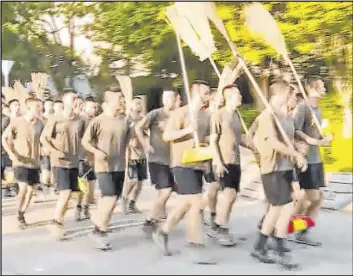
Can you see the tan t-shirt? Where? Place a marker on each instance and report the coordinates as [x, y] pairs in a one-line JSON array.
[[86, 155], [228, 128], [110, 135], [135, 153], [270, 159], [179, 119], [43, 152], [65, 135], [304, 122], [25, 138], [155, 121]]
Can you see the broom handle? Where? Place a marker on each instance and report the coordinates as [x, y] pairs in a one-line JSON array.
[[219, 76], [265, 102], [301, 88], [257, 89], [186, 87]]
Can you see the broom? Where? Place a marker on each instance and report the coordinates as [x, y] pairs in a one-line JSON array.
[[260, 21], [212, 15], [200, 152], [21, 94], [126, 87], [39, 84], [183, 20]]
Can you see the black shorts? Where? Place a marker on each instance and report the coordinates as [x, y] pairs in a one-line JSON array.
[[278, 187], [27, 175], [84, 169], [232, 178], [67, 179], [208, 173], [188, 181], [313, 178], [161, 175], [45, 163], [111, 183], [137, 169]]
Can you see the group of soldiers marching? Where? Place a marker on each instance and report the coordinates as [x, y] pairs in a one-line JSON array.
[[56, 143]]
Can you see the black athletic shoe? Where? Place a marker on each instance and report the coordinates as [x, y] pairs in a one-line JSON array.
[[78, 213], [21, 220], [86, 214], [224, 238], [100, 239], [133, 209], [57, 230], [123, 205], [161, 240], [262, 256], [272, 246], [201, 255], [260, 252], [303, 238], [286, 261]]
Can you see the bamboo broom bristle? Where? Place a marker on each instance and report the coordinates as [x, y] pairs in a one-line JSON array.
[[260, 22]]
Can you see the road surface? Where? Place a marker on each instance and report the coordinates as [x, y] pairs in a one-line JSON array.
[[33, 251]]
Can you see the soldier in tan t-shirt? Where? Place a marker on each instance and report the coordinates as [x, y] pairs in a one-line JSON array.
[[188, 177], [277, 160], [107, 137], [21, 141], [226, 138], [158, 155], [61, 138], [58, 107], [136, 167], [313, 178], [86, 169]]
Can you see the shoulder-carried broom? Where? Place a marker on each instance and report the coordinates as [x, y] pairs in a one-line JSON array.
[[126, 88], [201, 152], [39, 84], [212, 15], [196, 32], [21, 93], [260, 21]]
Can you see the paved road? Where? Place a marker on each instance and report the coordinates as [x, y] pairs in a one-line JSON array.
[[34, 252]]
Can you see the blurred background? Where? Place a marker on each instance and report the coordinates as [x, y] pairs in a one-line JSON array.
[[85, 44]]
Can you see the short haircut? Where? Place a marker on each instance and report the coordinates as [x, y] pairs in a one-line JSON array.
[[228, 87], [58, 101], [31, 100], [198, 83], [69, 90], [170, 89], [13, 101], [311, 83], [112, 89], [278, 87], [90, 99]]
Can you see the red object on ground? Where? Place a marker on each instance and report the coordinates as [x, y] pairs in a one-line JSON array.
[[300, 223]]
